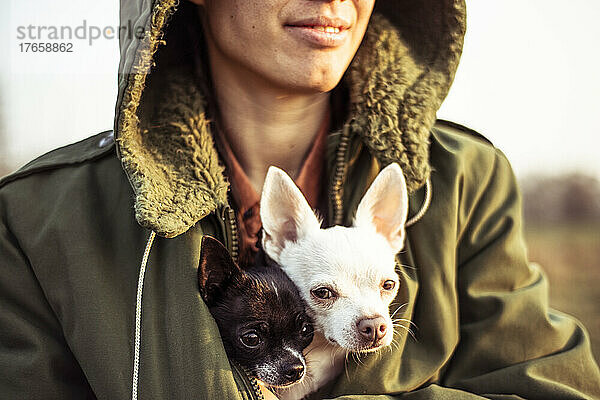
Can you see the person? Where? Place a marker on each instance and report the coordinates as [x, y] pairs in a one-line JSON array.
[[100, 240]]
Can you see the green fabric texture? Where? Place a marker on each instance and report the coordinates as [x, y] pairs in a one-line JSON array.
[[69, 265]]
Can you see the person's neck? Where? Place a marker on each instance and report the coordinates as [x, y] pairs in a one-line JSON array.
[[265, 125]]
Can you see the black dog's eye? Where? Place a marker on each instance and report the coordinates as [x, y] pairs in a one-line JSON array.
[[389, 285], [250, 339], [323, 293], [306, 329]]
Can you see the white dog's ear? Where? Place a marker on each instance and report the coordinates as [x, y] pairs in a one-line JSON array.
[[285, 213], [385, 206]]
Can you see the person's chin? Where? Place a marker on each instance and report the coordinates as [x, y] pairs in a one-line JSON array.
[[317, 86], [322, 77], [327, 84], [306, 75]]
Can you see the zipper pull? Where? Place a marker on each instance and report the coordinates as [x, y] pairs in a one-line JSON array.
[[231, 232]]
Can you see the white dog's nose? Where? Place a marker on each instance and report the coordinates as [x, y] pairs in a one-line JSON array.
[[372, 329]]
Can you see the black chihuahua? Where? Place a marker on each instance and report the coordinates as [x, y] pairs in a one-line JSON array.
[[260, 314]]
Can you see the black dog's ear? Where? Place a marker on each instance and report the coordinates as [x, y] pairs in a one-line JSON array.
[[216, 269], [262, 258]]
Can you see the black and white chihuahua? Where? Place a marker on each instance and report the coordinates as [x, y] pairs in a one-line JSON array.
[[260, 314]]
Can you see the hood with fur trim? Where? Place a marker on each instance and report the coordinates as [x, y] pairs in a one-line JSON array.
[[396, 83]]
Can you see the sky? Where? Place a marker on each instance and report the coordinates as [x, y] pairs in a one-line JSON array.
[[528, 81]]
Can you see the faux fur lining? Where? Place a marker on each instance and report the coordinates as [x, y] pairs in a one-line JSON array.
[[394, 99], [167, 148], [173, 164]]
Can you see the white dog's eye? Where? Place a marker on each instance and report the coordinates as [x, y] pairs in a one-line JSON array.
[[388, 285], [323, 293]]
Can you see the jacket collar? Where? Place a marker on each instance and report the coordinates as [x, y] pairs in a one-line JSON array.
[[164, 135]]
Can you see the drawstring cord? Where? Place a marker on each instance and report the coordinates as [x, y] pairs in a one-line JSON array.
[[424, 206], [138, 317]]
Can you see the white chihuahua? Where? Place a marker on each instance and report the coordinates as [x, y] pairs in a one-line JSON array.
[[346, 275]]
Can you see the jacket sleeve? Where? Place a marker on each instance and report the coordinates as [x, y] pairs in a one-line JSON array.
[[35, 360], [511, 342], [512, 345]]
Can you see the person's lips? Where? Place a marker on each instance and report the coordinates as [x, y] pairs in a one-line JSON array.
[[320, 31], [321, 21]]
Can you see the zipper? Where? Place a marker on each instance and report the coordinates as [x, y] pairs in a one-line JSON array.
[[336, 193], [231, 232], [250, 383]]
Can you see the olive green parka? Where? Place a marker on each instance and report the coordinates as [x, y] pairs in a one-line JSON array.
[[100, 240]]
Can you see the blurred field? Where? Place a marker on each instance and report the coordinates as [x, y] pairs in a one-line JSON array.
[[570, 255]]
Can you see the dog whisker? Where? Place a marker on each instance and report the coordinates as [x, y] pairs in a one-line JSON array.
[[346, 366], [397, 320], [400, 307], [358, 360], [407, 266], [407, 329], [409, 322], [397, 343], [335, 353]]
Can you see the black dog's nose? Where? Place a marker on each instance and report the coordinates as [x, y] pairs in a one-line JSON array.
[[372, 329], [295, 373]]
